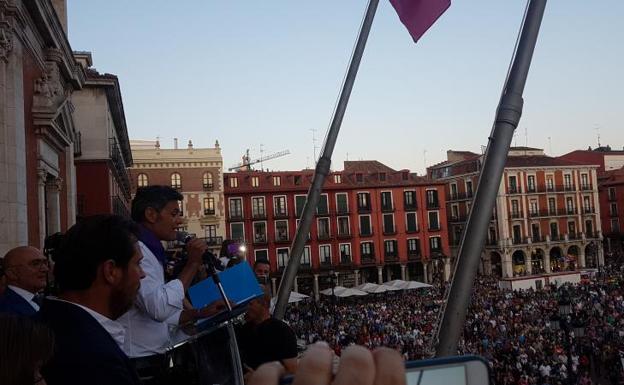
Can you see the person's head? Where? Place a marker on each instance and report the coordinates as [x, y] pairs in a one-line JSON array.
[[25, 346], [260, 308], [157, 208], [27, 268], [99, 262], [262, 267]]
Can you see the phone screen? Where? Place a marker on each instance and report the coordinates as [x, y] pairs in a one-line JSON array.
[[455, 375]]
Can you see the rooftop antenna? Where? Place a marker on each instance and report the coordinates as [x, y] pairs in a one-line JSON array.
[[314, 142], [597, 128], [261, 158]]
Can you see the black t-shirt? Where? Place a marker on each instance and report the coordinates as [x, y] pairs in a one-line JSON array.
[[272, 340]]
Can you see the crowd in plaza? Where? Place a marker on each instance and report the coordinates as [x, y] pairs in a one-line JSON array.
[[520, 332]]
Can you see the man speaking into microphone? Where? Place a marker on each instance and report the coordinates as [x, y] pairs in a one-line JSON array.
[[159, 304]]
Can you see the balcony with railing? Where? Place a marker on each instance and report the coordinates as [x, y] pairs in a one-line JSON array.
[[433, 204], [364, 209], [120, 169], [413, 255], [458, 218], [389, 230], [209, 212], [344, 234], [366, 233], [514, 190], [208, 186], [589, 210], [260, 239], [612, 197], [517, 215], [585, 187], [119, 206], [410, 207], [388, 208], [367, 259], [613, 214], [235, 216], [280, 214], [258, 215], [435, 227], [282, 237]]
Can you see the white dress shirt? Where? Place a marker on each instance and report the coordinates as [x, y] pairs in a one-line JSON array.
[[114, 328], [28, 296], [157, 307]]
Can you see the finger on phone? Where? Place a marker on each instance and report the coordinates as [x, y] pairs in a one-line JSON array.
[[357, 366], [315, 366], [389, 367]]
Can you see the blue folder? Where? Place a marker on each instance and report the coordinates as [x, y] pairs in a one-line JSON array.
[[239, 283]]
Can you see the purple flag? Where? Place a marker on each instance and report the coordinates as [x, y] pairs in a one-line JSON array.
[[419, 15]]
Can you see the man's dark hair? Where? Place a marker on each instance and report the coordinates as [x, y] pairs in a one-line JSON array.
[[261, 261], [88, 244], [155, 197]]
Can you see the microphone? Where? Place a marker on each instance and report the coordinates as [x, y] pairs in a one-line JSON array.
[[184, 237], [209, 259]]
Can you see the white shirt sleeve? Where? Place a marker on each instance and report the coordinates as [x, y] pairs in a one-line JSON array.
[[161, 301]]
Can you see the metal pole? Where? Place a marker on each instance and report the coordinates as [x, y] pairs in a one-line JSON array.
[[323, 164], [507, 119]]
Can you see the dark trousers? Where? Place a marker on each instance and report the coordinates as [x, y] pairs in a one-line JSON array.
[[152, 370]]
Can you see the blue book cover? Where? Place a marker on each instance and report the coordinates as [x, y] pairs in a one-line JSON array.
[[239, 283]]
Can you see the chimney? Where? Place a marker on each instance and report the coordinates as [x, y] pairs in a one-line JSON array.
[[60, 6], [175, 143]]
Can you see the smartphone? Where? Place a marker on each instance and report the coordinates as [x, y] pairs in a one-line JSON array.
[[456, 370]]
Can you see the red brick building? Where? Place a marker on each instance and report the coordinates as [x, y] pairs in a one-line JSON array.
[[547, 213], [611, 186], [373, 224]]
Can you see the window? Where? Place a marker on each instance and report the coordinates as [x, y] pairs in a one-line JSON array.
[[513, 185], [550, 184], [613, 209], [300, 201], [255, 181], [142, 180], [435, 243], [469, 188], [432, 199], [176, 180], [386, 200], [210, 231], [181, 206], [337, 178], [611, 193], [382, 176], [517, 234], [343, 226], [552, 206], [261, 255], [572, 228], [209, 207], [586, 204], [365, 225], [411, 224], [260, 233], [584, 182], [207, 180], [257, 207], [325, 254], [455, 212], [236, 208], [322, 208], [589, 228], [359, 177], [363, 202], [297, 180], [277, 181], [615, 225], [367, 250], [237, 230], [570, 205], [554, 230], [345, 253], [567, 181], [413, 246], [390, 248], [531, 183], [279, 206], [282, 257], [323, 228], [281, 231], [409, 200], [388, 223], [533, 210], [434, 223], [297, 226], [233, 181], [515, 211], [535, 232], [342, 203], [305, 256], [453, 191]]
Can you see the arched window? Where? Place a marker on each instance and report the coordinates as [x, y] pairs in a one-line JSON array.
[[207, 180], [142, 180], [176, 180]]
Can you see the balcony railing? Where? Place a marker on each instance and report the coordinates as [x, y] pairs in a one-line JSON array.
[[323, 236], [459, 218], [209, 212], [612, 197], [413, 254], [585, 187], [435, 228], [531, 189], [538, 239], [280, 214], [613, 214], [208, 186], [259, 215], [518, 241], [213, 241], [410, 207], [389, 231], [433, 204], [342, 210], [517, 215], [411, 230], [366, 233], [364, 209], [282, 238], [119, 167], [593, 234], [344, 235], [260, 239], [569, 187], [235, 217], [514, 190], [367, 259], [387, 208], [589, 210], [120, 207]]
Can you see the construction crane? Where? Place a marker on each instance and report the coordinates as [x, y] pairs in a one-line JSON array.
[[247, 162]]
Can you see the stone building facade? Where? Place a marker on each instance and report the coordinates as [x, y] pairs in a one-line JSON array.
[[546, 218], [196, 172], [38, 136]]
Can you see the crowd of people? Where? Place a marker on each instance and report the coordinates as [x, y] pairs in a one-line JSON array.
[[521, 333]]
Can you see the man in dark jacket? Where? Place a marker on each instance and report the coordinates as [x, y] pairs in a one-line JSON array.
[[26, 270], [98, 272]]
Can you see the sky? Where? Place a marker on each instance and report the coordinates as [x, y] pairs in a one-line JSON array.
[[265, 76]]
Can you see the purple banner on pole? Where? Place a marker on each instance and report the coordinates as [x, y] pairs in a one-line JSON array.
[[419, 15]]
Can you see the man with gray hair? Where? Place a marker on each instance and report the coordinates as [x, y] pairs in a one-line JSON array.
[[26, 270]]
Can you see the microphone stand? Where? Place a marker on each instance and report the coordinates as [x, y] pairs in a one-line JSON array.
[[234, 352]]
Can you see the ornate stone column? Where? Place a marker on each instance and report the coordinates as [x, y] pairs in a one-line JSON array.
[[547, 263], [42, 177], [53, 192], [528, 263]]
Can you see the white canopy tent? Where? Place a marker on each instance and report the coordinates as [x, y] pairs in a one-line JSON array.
[[375, 288], [341, 291], [407, 285]]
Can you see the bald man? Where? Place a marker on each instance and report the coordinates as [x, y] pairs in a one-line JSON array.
[[26, 270]]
